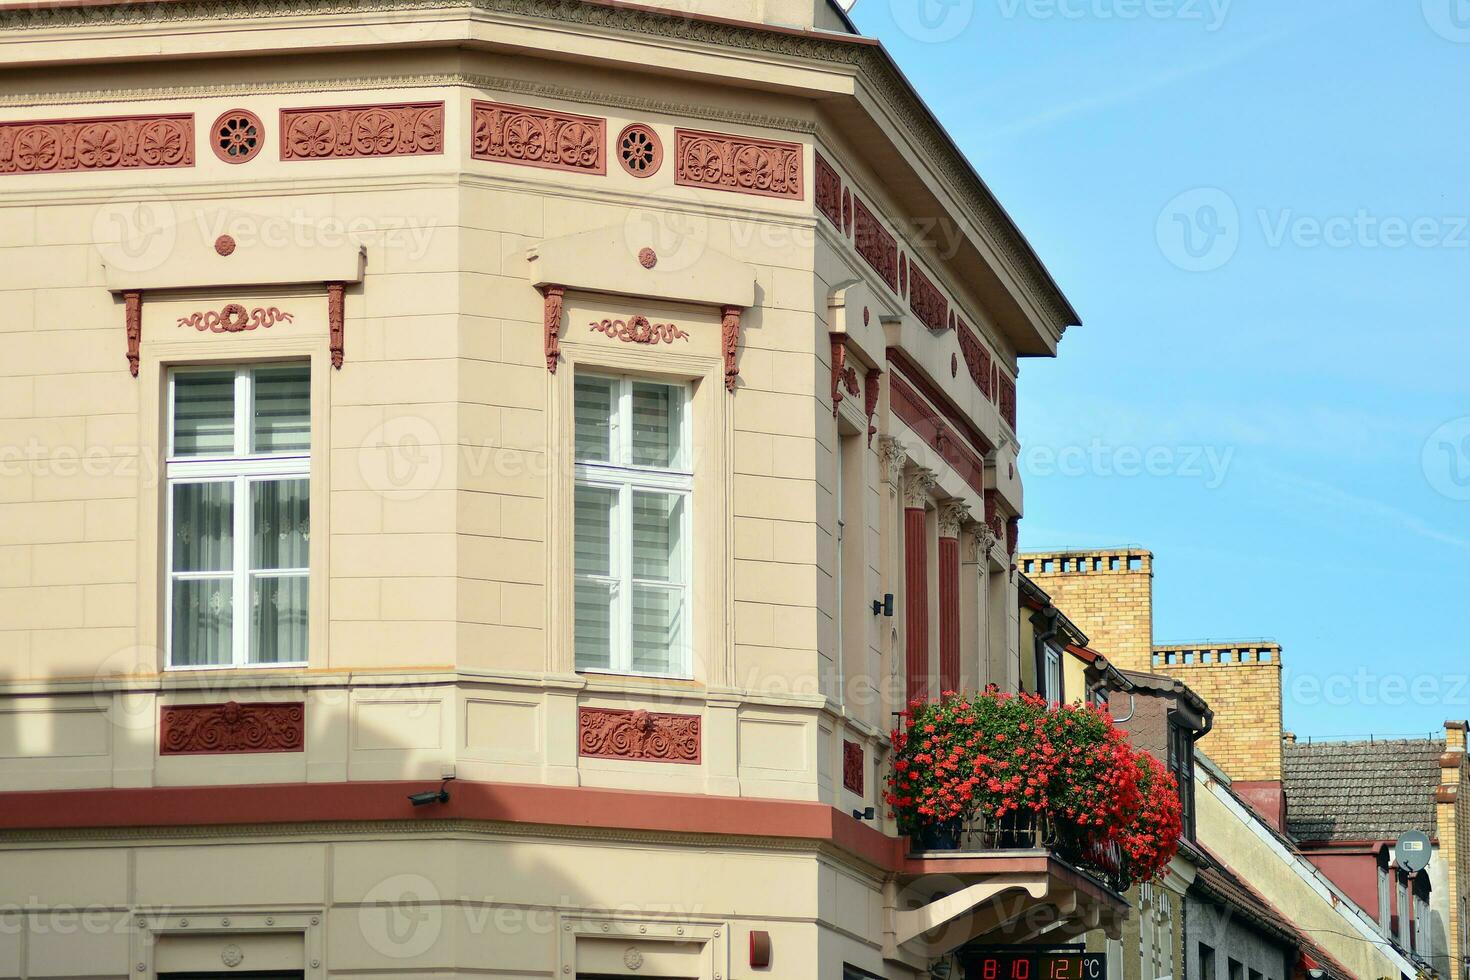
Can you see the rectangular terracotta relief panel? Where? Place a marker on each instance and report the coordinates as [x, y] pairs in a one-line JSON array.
[[232, 728], [342, 132], [872, 241], [977, 358], [926, 301], [852, 766], [829, 191], [539, 138], [110, 143], [742, 164], [643, 736]]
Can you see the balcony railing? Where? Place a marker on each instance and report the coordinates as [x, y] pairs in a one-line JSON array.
[[1030, 832]]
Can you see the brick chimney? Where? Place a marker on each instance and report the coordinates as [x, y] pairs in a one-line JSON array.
[[1108, 594]]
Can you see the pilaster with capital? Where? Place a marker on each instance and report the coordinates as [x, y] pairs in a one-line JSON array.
[[917, 484], [953, 514], [893, 458]]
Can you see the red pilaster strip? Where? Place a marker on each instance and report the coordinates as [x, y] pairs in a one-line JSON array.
[[916, 601]]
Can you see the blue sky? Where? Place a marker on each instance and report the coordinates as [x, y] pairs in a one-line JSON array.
[[1262, 212]]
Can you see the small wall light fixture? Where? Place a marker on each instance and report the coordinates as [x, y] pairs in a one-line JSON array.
[[884, 606], [864, 814], [441, 795]]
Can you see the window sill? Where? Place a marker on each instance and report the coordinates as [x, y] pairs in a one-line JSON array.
[[190, 668], [658, 680]]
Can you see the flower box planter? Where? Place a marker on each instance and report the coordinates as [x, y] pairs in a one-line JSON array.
[[994, 771]]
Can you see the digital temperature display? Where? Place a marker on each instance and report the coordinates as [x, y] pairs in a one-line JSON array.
[[1019, 965]]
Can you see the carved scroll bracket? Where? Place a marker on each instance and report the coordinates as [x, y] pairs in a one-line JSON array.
[[844, 378], [870, 399], [730, 317], [133, 305], [336, 320], [555, 299]]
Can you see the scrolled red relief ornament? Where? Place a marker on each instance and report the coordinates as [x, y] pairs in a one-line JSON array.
[[235, 318], [639, 330], [743, 164], [231, 728], [645, 736], [852, 766], [113, 143], [539, 138], [337, 132]]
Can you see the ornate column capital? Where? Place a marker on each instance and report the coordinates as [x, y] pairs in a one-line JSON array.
[[916, 486], [892, 456], [982, 541], [953, 514]]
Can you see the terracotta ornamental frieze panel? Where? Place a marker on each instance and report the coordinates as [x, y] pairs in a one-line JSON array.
[[646, 736], [926, 301], [977, 358], [336, 132], [231, 728], [829, 192], [873, 242], [539, 138], [115, 143], [743, 164]]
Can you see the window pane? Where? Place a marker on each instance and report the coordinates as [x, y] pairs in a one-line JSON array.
[[204, 528], [204, 413], [203, 617], [280, 524], [658, 531], [278, 619], [593, 537], [594, 621], [597, 400], [281, 421], [657, 425], [657, 628]]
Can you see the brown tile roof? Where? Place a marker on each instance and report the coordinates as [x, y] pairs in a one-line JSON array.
[[1222, 884], [1339, 791]]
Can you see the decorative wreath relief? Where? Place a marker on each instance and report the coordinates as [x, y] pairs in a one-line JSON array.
[[237, 136], [639, 330], [639, 150]]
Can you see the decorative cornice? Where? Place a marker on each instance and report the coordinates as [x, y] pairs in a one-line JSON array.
[[874, 66]]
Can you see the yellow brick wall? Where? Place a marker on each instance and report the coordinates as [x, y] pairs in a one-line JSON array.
[[1452, 816], [1107, 593], [1242, 685]]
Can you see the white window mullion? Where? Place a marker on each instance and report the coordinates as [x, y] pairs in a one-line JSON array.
[[624, 524], [241, 624]]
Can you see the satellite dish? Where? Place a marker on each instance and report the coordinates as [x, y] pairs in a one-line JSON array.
[[1412, 851]]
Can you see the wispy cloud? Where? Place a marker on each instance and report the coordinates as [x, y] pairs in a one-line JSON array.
[[1327, 499], [1137, 89]]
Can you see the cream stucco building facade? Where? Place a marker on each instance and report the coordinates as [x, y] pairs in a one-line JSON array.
[[538, 394]]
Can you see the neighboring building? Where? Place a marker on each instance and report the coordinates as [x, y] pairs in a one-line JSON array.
[[1241, 841], [1291, 919], [1109, 594], [543, 394], [1165, 718], [1351, 800], [1233, 933]]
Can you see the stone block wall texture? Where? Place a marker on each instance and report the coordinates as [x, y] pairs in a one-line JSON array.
[[1242, 685], [1108, 594], [1452, 818]]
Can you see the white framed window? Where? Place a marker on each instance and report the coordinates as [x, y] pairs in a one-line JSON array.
[[1053, 679], [632, 548], [237, 515]]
